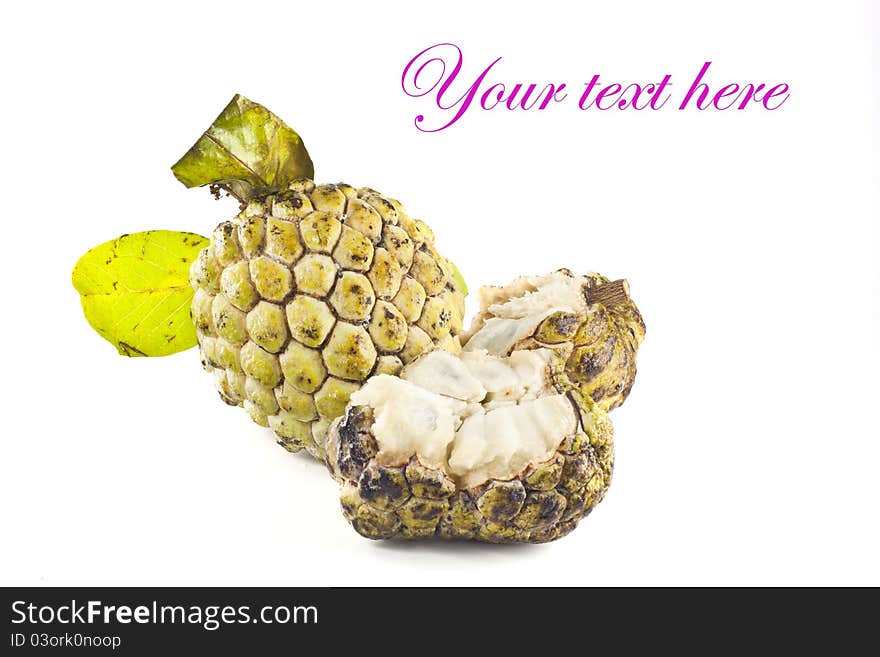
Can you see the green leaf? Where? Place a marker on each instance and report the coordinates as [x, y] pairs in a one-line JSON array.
[[135, 291], [459, 279], [248, 151]]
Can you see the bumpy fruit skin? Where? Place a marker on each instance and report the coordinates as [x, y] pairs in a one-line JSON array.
[[307, 293], [599, 347], [412, 501]]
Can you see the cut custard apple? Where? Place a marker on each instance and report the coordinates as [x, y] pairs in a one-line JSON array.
[[471, 446], [590, 321], [310, 289]]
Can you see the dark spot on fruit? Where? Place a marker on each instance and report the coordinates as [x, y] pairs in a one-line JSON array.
[[587, 363], [378, 485], [550, 509], [355, 448], [425, 511], [565, 323]]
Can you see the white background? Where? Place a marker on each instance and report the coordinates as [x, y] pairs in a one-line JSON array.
[[749, 449]]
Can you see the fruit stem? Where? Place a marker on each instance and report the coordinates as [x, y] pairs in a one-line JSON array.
[[609, 294], [217, 188]]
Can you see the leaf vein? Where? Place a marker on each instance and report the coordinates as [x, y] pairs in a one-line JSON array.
[[237, 159]]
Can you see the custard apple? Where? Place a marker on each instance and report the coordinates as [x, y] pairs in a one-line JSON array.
[[471, 446], [310, 291], [588, 320]]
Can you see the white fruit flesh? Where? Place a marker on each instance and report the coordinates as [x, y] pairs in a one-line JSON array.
[[516, 310], [475, 417]]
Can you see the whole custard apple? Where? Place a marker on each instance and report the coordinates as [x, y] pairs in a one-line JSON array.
[[310, 289], [309, 292]]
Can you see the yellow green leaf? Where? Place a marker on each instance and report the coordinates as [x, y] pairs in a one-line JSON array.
[[248, 151], [459, 279], [135, 291]]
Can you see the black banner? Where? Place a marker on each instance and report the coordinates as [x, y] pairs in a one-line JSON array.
[[243, 620]]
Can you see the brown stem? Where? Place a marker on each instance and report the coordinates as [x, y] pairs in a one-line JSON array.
[[217, 188], [609, 294]]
